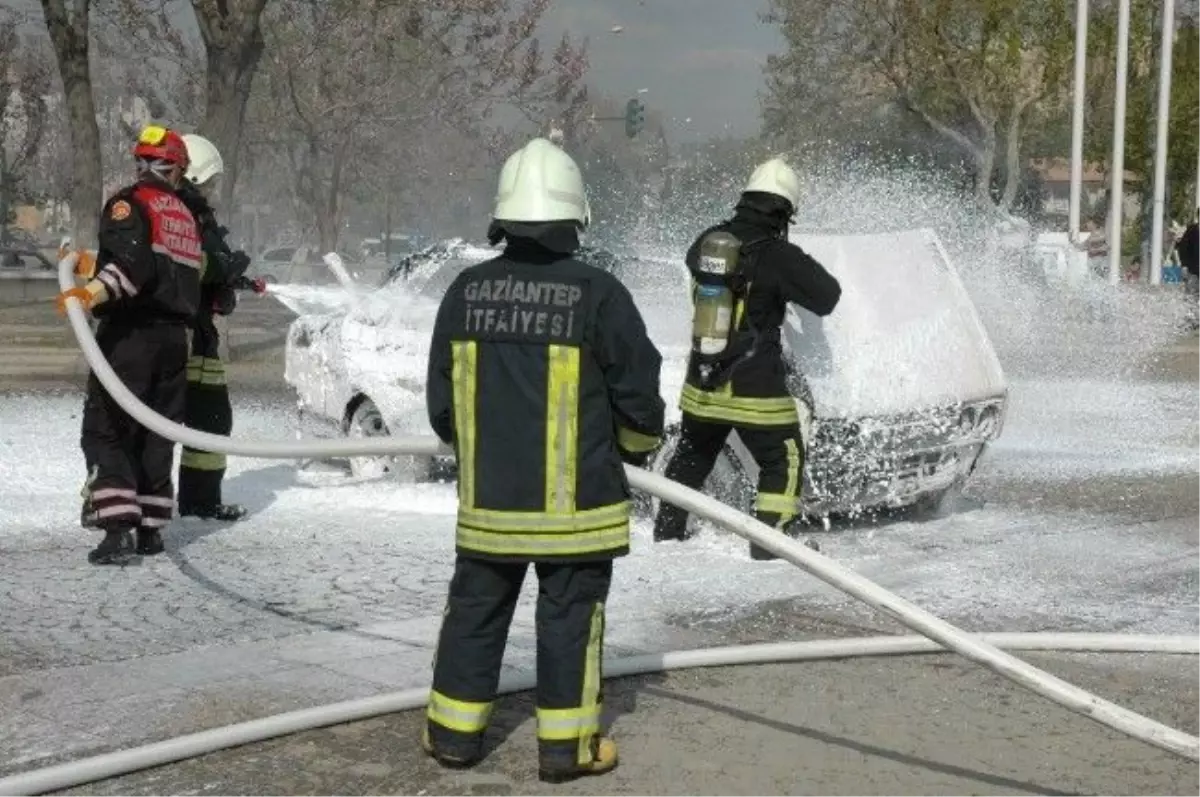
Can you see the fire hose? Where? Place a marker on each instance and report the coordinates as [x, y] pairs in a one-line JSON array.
[[940, 635]]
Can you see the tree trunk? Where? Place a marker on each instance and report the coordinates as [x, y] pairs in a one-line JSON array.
[[69, 34], [1012, 159], [329, 211], [233, 44], [985, 167]]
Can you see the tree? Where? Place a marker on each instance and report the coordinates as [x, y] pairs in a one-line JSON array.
[[233, 42], [67, 22], [421, 71], [24, 94], [978, 73]]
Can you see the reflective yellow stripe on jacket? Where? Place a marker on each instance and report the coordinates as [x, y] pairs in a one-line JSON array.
[[560, 528], [722, 405]]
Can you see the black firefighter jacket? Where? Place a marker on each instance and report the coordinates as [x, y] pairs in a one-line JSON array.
[[777, 272], [222, 269], [542, 376], [149, 257]]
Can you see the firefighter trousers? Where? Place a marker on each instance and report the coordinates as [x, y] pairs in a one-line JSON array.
[[570, 640], [129, 467], [208, 410], [778, 450]]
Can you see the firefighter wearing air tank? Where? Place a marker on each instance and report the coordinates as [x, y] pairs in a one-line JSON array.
[[542, 376], [208, 408], [745, 272], [144, 293]]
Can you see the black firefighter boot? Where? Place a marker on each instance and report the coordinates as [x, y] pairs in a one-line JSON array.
[[149, 542], [226, 513], [115, 549], [671, 523]]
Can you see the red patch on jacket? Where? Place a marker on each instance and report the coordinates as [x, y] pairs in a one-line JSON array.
[[173, 230]]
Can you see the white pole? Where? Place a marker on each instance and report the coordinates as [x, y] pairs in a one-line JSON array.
[[1117, 167], [1081, 35], [1160, 146]]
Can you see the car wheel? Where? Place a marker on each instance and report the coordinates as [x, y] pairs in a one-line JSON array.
[[367, 421]]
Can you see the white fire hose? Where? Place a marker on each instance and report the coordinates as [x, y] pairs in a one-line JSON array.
[[982, 649]]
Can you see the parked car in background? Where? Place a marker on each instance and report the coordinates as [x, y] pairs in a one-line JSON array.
[[900, 390]]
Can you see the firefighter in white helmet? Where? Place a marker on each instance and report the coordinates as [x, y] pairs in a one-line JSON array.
[[542, 376], [745, 273], [201, 473]]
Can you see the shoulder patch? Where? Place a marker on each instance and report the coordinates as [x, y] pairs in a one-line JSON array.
[[120, 210]]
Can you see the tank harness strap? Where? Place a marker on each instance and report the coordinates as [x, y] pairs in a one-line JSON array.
[[715, 371]]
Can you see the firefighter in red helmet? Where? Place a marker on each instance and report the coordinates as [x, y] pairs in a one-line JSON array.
[[144, 292]]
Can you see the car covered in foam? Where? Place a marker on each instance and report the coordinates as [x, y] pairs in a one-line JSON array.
[[900, 390]]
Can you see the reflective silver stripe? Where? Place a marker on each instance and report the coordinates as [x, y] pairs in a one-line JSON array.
[[112, 492], [127, 287], [110, 282]]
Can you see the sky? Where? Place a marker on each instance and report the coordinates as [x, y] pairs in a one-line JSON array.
[[699, 59]]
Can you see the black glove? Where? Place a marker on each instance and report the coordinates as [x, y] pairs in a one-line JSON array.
[[238, 263], [224, 300]]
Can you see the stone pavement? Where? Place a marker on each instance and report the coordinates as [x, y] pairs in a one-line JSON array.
[[916, 725]]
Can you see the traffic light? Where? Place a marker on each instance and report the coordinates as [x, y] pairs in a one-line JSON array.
[[635, 117]]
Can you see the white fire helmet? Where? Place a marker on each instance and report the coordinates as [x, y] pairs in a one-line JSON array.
[[776, 177], [204, 160], [540, 182]]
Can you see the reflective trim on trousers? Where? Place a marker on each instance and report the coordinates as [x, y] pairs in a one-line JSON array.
[[582, 723], [205, 371], [458, 715], [201, 460], [784, 504]]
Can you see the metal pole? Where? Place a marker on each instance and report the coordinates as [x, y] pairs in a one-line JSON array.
[[1081, 35], [1117, 167], [1160, 151]]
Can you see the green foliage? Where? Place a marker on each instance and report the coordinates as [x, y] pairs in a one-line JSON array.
[[975, 73]]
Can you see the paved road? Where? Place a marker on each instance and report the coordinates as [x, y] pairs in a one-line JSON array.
[[38, 349], [304, 604], [890, 726]]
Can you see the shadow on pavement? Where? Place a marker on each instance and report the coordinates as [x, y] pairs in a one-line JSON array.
[[858, 747]]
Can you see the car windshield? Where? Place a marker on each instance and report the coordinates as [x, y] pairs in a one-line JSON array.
[[436, 285], [402, 268]]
